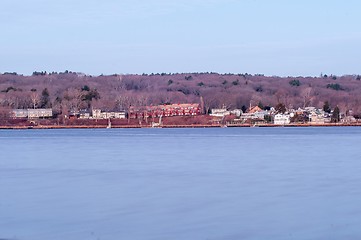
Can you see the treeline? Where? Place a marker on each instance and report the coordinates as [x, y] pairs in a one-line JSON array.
[[70, 91]]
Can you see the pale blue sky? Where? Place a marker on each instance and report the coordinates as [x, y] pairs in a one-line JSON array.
[[278, 37]]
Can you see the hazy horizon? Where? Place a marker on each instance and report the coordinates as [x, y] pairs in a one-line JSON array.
[[175, 73], [278, 38]]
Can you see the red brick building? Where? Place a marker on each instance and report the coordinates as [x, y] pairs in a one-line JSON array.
[[184, 109]]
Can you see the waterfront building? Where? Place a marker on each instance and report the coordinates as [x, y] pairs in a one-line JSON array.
[[282, 119], [184, 109], [32, 113]]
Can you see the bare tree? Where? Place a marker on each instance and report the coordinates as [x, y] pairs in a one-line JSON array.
[[35, 99], [306, 96]]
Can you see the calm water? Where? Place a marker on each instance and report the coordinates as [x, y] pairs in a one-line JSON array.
[[181, 184]]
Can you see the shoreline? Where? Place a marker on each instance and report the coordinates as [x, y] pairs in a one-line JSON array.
[[24, 127]]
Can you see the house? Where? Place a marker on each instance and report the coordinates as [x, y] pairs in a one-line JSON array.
[[84, 114], [281, 119], [310, 109], [255, 109], [73, 114], [255, 113], [316, 117], [237, 112], [348, 119], [99, 114], [219, 112]]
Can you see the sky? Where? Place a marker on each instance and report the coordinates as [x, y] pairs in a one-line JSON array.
[[275, 38]]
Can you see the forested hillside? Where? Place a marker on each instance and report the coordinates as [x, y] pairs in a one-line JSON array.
[[73, 91]]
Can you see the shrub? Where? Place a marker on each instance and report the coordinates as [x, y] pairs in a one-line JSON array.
[[259, 89], [335, 86], [295, 83]]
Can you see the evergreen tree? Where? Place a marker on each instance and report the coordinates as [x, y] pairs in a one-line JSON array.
[[244, 108], [89, 96], [326, 107], [85, 88], [45, 99], [335, 115]]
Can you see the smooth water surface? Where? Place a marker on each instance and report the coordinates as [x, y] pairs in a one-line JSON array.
[[137, 184]]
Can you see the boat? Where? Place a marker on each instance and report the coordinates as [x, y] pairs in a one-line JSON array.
[[158, 124], [109, 123]]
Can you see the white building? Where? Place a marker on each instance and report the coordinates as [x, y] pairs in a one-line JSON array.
[[33, 113], [117, 115], [20, 113], [282, 119], [98, 114], [316, 117], [40, 113], [219, 112], [237, 112], [84, 114]]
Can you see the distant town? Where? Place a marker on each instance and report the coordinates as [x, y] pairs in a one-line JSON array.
[[172, 115], [68, 99]]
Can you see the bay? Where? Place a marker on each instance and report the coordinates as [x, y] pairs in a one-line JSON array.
[[212, 183]]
